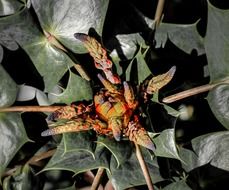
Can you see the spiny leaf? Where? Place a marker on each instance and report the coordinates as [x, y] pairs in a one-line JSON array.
[[129, 44], [78, 141], [78, 161], [190, 159], [120, 150], [129, 174], [8, 89], [218, 99], [13, 135], [217, 43], [212, 148], [50, 62], [185, 37], [64, 18], [142, 68], [217, 47], [78, 89], [166, 145]]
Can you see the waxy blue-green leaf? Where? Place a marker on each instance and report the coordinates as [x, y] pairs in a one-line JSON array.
[[217, 48], [50, 62], [64, 18], [218, 99], [217, 43], [143, 70], [12, 135], [185, 37], [120, 150], [9, 7], [78, 161], [79, 141], [8, 89], [78, 89], [166, 145], [190, 159], [129, 44], [129, 174], [212, 148]]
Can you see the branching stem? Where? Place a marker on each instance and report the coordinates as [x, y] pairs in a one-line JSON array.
[[144, 167]]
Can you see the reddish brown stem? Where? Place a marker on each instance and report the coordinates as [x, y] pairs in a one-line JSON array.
[[144, 167], [188, 93], [97, 179], [39, 157], [30, 109]]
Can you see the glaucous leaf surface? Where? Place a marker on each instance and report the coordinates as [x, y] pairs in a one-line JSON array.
[[50, 62], [128, 44], [218, 99], [8, 7], [13, 136], [121, 151], [185, 37], [217, 43], [78, 89], [212, 148], [64, 18], [8, 89], [78, 161], [190, 159], [166, 144], [143, 70], [78, 141], [217, 48]]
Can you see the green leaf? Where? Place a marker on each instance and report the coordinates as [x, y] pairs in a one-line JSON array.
[[185, 37], [50, 62], [120, 150], [217, 47], [78, 141], [23, 178], [129, 44], [179, 185], [212, 148], [7, 41], [217, 43], [78, 89], [78, 161], [166, 145], [218, 99], [64, 18], [190, 159], [129, 174], [8, 89], [13, 135], [8, 7], [142, 68]]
